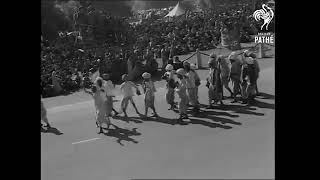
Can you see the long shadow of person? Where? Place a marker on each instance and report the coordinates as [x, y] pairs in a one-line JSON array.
[[223, 120], [194, 120], [245, 111], [261, 104], [208, 124], [239, 109], [231, 107], [213, 116], [215, 113], [263, 95], [190, 112], [161, 120], [128, 119], [51, 130], [123, 134]]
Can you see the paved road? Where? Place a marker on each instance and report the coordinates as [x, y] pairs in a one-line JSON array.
[[231, 142]]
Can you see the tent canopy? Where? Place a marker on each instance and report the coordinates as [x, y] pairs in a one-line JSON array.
[[176, 11]]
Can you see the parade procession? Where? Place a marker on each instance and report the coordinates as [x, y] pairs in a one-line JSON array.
[[239, 70], [185, 89]]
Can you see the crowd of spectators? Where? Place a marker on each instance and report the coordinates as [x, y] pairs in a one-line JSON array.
[[138, 44]]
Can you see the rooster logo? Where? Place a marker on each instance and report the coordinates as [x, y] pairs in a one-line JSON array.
[[266, 13]]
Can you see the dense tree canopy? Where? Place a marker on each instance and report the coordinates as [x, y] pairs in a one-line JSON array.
[[56, 16]]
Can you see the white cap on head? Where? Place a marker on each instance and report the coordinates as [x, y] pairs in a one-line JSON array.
[[169, 67], [181, 71], [146, 75]]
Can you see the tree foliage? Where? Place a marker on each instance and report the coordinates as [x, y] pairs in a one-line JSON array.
[[53, 19]]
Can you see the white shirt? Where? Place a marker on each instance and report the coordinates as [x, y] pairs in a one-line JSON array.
[[99, 98], [127, 88], [108, 87]]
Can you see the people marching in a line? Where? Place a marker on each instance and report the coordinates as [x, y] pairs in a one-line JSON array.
[[242, 70]]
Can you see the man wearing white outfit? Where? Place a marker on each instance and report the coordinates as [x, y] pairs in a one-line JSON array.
[[191, 86], [109, 88]]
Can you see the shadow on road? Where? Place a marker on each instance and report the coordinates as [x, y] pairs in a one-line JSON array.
[[211, 115], [123, 134], [214, 113], [223, 120], [265, 96], [261, 104], [245, 111], [161, 120], [51, 130], [195, 120], [239, 109], [128, 119]]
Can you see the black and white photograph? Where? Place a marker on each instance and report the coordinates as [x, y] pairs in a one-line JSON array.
[[151, 89]]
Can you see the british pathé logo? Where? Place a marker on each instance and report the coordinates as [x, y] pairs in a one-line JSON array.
[[266, 38], [266, 14]]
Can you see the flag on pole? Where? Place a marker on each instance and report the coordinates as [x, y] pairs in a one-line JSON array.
[[94, 76]]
